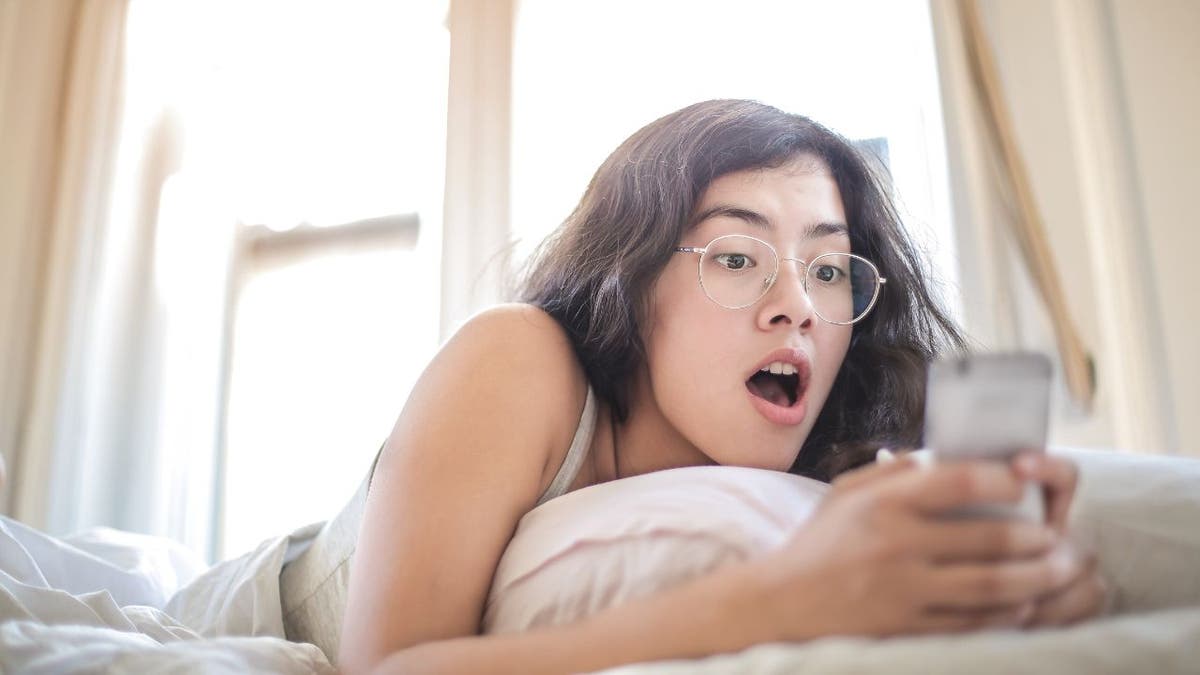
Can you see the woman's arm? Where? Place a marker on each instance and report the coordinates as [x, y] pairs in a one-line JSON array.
[[479, 438], [693, 620]]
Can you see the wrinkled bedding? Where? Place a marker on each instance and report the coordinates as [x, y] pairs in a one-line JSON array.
[[109, 601]]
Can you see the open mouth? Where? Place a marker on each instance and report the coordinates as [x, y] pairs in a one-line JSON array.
[[780, 388]]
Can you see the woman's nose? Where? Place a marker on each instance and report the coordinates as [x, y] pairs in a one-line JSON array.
[[786, 301]]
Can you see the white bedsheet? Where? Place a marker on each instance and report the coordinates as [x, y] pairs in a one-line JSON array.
[[108, 601]]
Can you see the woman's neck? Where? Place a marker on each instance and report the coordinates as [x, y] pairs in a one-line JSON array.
[[645, 442]]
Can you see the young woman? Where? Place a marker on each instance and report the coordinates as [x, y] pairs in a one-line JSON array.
[[734, 288]]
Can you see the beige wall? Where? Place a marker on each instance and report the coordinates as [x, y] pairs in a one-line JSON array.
[[1105, 103], [1158, 44], [1026, 39]]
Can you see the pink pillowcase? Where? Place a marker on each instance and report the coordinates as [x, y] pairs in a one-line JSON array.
[[609, 543]]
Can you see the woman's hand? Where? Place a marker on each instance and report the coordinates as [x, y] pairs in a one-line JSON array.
[[877, 559], [1087, 594]]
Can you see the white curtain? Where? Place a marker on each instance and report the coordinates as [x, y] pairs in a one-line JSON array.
[[99, 424], [60, 83]]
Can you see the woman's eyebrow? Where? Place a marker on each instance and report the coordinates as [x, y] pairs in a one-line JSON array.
[[816, 231], [725, 210]]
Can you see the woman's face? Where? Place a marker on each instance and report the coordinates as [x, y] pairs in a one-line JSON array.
[[704, 360]]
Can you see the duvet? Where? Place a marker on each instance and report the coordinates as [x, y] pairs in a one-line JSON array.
[[109, 601]]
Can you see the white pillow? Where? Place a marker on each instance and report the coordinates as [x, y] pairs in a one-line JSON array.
[[590, 549]]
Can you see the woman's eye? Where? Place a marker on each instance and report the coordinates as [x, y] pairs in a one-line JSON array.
[[828, 274], [734, 261]]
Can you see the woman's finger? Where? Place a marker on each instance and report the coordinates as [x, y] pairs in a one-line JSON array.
[[948, 621], [853, 479], [964, 586], [1086, 595], [1058, 476], [944, 487], [982, 540]]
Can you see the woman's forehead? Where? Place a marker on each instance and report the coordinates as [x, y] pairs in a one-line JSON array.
[[798, 200], [804, 170]]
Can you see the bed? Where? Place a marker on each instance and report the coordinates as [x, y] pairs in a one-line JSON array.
[[112, 601]]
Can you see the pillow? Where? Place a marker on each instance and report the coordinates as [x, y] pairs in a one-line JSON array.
[[590, 549], [1141, 513], [609, 543]]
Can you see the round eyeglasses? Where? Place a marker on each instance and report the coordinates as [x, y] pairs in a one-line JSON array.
[[737, 270]]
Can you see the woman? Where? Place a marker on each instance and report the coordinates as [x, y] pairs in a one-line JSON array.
[[734, 288]]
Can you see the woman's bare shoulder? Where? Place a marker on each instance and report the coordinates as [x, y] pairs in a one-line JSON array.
[[512, 372], [518, 326], [527, 346], [532, 357]]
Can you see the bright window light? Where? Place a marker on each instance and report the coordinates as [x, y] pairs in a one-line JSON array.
[[340, 119], [589, 73], [295, 114], [325, 353]]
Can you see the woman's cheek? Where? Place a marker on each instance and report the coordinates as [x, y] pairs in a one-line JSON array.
[[833, 355]]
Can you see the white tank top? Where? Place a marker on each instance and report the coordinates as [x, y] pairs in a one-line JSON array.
[[576, 454]]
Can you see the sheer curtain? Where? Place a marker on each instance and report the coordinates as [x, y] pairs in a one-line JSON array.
[[83, 326], [60, 83]]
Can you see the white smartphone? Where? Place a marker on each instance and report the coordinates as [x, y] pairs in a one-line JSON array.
[[990, 406]]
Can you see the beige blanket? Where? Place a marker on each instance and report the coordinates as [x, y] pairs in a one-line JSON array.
[[1166, 641]]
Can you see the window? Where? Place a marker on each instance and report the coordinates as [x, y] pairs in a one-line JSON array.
[[315, 135], [336, 272], [326, 345]]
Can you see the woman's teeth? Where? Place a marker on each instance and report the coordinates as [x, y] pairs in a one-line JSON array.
[[779, 368]]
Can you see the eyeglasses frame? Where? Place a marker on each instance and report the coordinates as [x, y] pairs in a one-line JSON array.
[[701, 250]]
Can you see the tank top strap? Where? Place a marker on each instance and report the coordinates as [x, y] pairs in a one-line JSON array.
[[576, 454]]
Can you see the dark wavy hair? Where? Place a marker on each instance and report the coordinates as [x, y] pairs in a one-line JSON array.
[[595, 273]]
